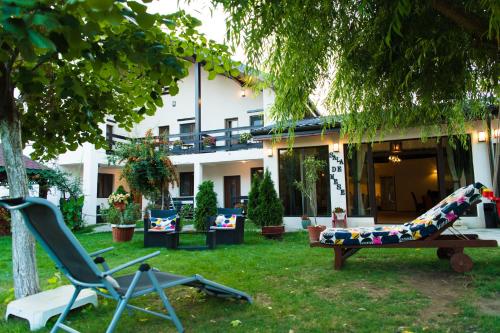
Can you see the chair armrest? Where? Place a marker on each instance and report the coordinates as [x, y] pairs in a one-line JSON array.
[[131, 263], [96, 253]]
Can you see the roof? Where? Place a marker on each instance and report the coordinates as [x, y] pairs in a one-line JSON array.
[[28, 163], [308, 126]]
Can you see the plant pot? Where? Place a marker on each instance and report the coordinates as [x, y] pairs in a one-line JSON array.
[[122, 232], [119, 205], [340, 216], [273, 232], [314, 231], [305, 223]]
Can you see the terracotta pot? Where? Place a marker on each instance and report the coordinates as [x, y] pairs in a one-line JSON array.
[[122, 232], [273, 231], [119, 205], [314, 231]]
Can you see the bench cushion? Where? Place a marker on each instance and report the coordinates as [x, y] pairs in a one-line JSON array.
[[445, 212], [163, 224]]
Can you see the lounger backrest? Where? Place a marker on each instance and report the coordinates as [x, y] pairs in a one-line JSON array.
[[46, 223], [447, 211], [161, 213], [229, 211]]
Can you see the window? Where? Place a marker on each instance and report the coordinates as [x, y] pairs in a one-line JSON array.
[[358, 187], [163, 131], [186, 184], [257, 120], [105, 184], [291, 170], [109, 135], [187, 128]]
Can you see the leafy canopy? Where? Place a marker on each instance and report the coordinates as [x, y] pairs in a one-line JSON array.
[[390, 64], [77, 62]]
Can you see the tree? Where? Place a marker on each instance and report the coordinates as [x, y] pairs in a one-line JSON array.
[[148, 169], [253, 197], [74, 63], [390, 64], [206, 204], [312, 170], [269, 210]]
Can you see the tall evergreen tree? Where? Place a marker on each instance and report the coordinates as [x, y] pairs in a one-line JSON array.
[[269, 210], [206, 204], [253, 197]]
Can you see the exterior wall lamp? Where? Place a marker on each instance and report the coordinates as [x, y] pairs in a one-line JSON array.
[[495, 133], [243, 93], [481, 136], [336, 147], [269, 152]]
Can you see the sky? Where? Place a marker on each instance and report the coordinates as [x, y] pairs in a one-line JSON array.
[[214, 19]]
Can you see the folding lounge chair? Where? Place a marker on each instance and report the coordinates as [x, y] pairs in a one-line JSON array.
[[426, 231], [46, 223]]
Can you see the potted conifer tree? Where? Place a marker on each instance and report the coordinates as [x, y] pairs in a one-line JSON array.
[[206, 204], [253, 198], [268, 214]]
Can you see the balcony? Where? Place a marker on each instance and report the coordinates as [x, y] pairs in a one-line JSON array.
[[227, 139]]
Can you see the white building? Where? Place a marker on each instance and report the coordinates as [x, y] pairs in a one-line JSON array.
[[370, 187], [222, 108]]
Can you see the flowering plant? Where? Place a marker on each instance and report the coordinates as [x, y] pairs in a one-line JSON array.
[[118, 198], [209, 141]]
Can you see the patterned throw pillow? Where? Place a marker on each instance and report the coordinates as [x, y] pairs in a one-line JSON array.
[[163, 224], [225, 221]]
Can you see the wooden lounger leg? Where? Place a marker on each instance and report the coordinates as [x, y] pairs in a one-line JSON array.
[[339, 260]]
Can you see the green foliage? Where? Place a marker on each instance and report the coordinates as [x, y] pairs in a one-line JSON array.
[[312, 171], [76, 63], [206, 204], [253, 197], [71, 209], [67, 184], [245, 137], [112, 215], [147, 169], [131, 213], [388, 65], [269, 210], [186, 212]]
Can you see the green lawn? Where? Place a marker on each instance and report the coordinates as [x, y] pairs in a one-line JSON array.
[[296, 289]]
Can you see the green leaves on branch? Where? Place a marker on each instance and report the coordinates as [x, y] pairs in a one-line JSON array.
[[388, 65]]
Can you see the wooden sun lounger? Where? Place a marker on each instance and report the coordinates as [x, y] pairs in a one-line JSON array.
[[450, 247]]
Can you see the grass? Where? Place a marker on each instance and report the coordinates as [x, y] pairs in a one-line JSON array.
[[296, 289]]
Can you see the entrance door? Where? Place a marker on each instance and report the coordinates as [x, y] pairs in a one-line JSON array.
[[232, 190], [388, 193]]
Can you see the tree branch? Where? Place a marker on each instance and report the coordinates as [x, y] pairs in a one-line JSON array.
[[469, 21]]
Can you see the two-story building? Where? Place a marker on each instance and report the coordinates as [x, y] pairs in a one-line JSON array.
[[203, 124]]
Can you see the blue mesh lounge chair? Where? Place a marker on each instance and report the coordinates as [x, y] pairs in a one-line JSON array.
[[46, 223]]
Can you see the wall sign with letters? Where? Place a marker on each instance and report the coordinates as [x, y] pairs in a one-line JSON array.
[[337, 169]]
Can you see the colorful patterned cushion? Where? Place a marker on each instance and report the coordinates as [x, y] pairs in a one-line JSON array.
[[224, 222], [163, 224], [445, 212]]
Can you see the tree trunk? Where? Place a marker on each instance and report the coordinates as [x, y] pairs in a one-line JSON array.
[[23, 244]]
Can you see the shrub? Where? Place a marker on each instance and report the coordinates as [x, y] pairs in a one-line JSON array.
[[71, 210], [186, 212], [131, 213], [111, 215], [269, 210], [253, 197], [206, 204]]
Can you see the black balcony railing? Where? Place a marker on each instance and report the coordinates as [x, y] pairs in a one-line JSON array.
[[227, 139]]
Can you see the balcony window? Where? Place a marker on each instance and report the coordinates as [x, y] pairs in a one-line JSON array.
[[257, 120], [187, 128]]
